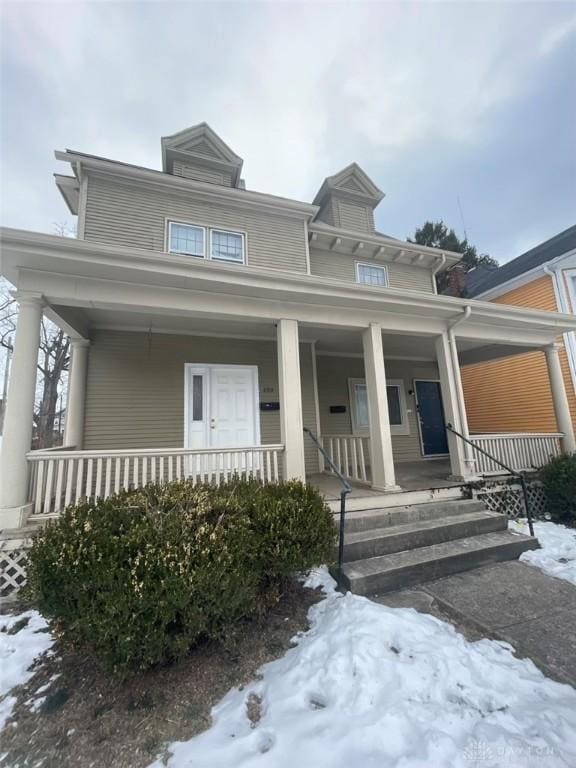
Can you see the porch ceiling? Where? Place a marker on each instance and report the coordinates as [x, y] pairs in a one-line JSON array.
[[329, 340]]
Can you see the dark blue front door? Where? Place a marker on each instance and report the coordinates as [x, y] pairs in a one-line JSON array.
[[431, 415]]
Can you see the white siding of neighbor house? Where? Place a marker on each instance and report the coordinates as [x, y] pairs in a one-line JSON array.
[[134, 215], [333, 375], [135, 387], [341, 266]]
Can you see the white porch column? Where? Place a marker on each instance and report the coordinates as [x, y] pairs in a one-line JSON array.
[[74, 430], [561, 407], [451, 395], [381, 458], [18, 420], [291, 423]]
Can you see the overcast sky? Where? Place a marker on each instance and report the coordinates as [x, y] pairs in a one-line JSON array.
[[438, 102]]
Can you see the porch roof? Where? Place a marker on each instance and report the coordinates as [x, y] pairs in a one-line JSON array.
[[84, 275]]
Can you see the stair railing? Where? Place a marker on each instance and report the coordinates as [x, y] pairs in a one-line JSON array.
[[520, 475], [346, 489]]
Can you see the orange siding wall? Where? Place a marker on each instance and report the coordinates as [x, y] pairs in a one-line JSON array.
[[513, 394]]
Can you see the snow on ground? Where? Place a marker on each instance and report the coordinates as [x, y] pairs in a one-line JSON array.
[[18, 652], [557, 556], [376, 687]]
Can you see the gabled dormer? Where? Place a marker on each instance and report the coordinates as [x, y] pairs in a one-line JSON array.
[[347, 200], [199, 153]]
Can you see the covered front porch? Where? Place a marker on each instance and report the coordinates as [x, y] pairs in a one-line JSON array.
[[158, 405], [206, 370]]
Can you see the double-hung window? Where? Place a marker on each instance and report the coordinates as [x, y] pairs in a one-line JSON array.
[[186, 239], [226, 246], [372, 274], [206, 243], [396, 407]]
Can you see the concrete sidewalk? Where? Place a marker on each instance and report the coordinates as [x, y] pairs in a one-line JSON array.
[[508, 601]]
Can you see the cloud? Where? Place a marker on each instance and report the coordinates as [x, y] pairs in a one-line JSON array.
[[297, 89], [556, 36]]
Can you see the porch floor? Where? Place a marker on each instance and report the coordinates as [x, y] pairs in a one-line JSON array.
[[410, 476]]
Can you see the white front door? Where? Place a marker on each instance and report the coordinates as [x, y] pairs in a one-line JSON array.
[[221, 406]]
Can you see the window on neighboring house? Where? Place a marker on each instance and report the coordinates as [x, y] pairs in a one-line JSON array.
[[184, 238], [372, 274], [190, 240], [228, 246], [396, 407]]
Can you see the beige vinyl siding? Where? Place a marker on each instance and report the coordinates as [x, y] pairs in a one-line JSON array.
[[333, 375], [341, 266], [135, 387], [201, 173], [355, 217], [327, 212], [347, 214], [135, 215]]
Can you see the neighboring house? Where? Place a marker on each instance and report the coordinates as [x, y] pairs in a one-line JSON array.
[[210, 324], [513, 395]]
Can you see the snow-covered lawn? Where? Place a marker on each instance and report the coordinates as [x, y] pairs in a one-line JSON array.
[[372, 686], [557, 557], [30, 639]]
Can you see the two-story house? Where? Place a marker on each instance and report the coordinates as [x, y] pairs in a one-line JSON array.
[[211, 324]]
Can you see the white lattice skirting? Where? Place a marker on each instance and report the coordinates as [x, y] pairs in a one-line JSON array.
[[12, 566], [507, 498]]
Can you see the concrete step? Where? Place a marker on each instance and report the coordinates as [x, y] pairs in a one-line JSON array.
[[422, 533], [404, 569], [357, 501], [371, 519]]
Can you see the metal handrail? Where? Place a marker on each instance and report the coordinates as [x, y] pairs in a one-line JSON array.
[[514, 472], [346, 489]]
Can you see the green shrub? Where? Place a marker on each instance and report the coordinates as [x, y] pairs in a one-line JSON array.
[[148, 573], [559, 480]]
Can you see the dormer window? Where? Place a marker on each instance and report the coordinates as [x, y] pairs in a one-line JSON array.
[[372, 274], [190, 240]]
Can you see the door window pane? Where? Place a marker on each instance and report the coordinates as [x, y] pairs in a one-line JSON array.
[[228, 246], [187, 239], [362, 419], [394, 407], [197, 398]]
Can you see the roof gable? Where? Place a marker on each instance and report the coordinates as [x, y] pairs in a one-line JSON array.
[[351, 181], [200, 144]]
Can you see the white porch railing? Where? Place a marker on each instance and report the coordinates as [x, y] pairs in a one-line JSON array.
[[350, 453], [520, 451], [59, 478]]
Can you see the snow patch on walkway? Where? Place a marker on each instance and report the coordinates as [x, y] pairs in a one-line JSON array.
[[374, 686], [557, 556], [18, 651]]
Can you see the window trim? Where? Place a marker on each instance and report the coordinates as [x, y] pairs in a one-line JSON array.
[[207, 240], [383, 267], [227, 232], [395, 429]]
